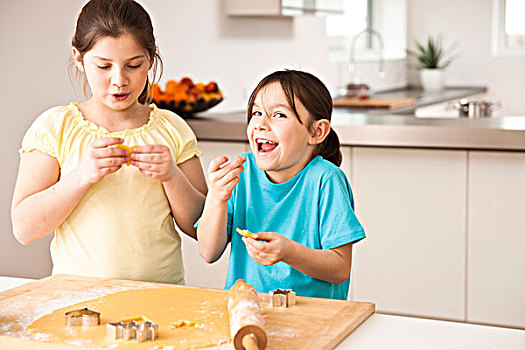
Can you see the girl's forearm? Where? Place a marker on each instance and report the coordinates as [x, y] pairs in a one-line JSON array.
[[186, 192], [211, 233], [41, 213], [330, 265], [186, 202]]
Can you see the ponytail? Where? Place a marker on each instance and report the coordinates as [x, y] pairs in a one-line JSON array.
[[330, 149]]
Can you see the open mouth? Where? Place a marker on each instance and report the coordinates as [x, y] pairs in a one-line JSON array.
[[264, 145], [120, 97]]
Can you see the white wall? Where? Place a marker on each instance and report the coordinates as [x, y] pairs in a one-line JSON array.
[[469, 22], [198, 40], [35, 41]]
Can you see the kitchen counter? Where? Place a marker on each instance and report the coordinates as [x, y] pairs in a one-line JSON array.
[[12, 282], [423, 98], [364, 129], [381, 331], [396, 332]]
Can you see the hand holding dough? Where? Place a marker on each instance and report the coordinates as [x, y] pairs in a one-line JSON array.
[[247, 233], [129, 149]]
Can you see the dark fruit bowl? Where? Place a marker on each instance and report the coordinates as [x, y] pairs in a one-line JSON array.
[[186, 109]]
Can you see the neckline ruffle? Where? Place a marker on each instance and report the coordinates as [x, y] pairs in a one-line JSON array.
[[89, 125]]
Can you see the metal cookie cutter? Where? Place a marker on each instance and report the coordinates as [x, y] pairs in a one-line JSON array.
[[282, 297], [83, 317], [132, 330]]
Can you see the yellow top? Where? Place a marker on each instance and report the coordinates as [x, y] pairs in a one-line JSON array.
[[122, 227]]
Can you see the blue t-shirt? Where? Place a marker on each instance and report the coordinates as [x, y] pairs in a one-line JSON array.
[[314, 208]]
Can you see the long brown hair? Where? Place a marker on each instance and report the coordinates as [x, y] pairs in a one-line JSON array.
[[103, 18], [315, 97]]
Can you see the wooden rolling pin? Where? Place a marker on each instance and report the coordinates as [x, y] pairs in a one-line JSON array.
[[246, 320]]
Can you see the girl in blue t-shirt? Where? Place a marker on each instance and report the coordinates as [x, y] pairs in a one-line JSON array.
[[289, 191]]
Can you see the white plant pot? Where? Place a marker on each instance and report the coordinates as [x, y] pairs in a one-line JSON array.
[[432, 79]]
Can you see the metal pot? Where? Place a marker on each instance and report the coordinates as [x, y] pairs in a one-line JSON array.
[[475, 109]]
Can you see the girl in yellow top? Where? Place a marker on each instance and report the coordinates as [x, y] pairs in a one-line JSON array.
[[110, 219]]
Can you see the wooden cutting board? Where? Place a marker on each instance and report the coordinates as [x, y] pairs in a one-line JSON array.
[[313, 323], [374, 102]]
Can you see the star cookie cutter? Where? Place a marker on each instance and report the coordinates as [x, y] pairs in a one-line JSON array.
[[142, 331], [82, 317], [282, 298]]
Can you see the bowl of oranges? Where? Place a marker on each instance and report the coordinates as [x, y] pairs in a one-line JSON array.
[[185, 97]]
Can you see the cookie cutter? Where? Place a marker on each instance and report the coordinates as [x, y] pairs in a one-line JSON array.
[[282, 297], [142, 331], [82, 317]]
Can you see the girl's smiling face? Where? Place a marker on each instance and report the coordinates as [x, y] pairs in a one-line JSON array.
[[281, 144], [116, 69]]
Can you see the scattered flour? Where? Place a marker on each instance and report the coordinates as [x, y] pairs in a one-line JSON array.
[[283, 333], [13, 323]]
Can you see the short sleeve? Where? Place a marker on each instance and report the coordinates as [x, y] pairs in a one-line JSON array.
[[185, 138], [41, 136], [188, 149], [337, 220]]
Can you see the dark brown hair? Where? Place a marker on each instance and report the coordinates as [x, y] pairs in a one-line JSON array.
[[315, 97], [103, 18]]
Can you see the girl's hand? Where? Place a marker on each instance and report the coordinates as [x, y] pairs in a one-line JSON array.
[[101, 159], [223, 178], [154, 161], [269, 248]]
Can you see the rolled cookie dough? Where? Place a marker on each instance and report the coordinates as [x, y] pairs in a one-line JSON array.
[[161, 305]]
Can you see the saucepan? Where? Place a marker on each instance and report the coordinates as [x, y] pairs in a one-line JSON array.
[[475, 109]]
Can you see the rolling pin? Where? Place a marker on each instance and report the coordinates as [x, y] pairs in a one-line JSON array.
[[246, 320]]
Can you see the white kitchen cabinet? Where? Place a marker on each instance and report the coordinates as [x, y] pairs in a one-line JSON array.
[[283, 7], [346, 165], [412, 204], [496, 239], [197, 271]]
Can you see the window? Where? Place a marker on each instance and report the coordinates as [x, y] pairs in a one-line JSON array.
[[508, 28], [388, 17], [342, 28]]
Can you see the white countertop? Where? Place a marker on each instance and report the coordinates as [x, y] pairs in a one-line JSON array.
[[406, 333], [410, 333], [12, 282]]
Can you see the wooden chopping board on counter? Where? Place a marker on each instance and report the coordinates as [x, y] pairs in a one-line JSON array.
[[313, 323], [374, 102]]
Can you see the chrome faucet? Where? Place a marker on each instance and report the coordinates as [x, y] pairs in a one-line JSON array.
[[351, 65]]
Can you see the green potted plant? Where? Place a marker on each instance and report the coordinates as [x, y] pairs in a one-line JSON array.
[[432, 58]]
